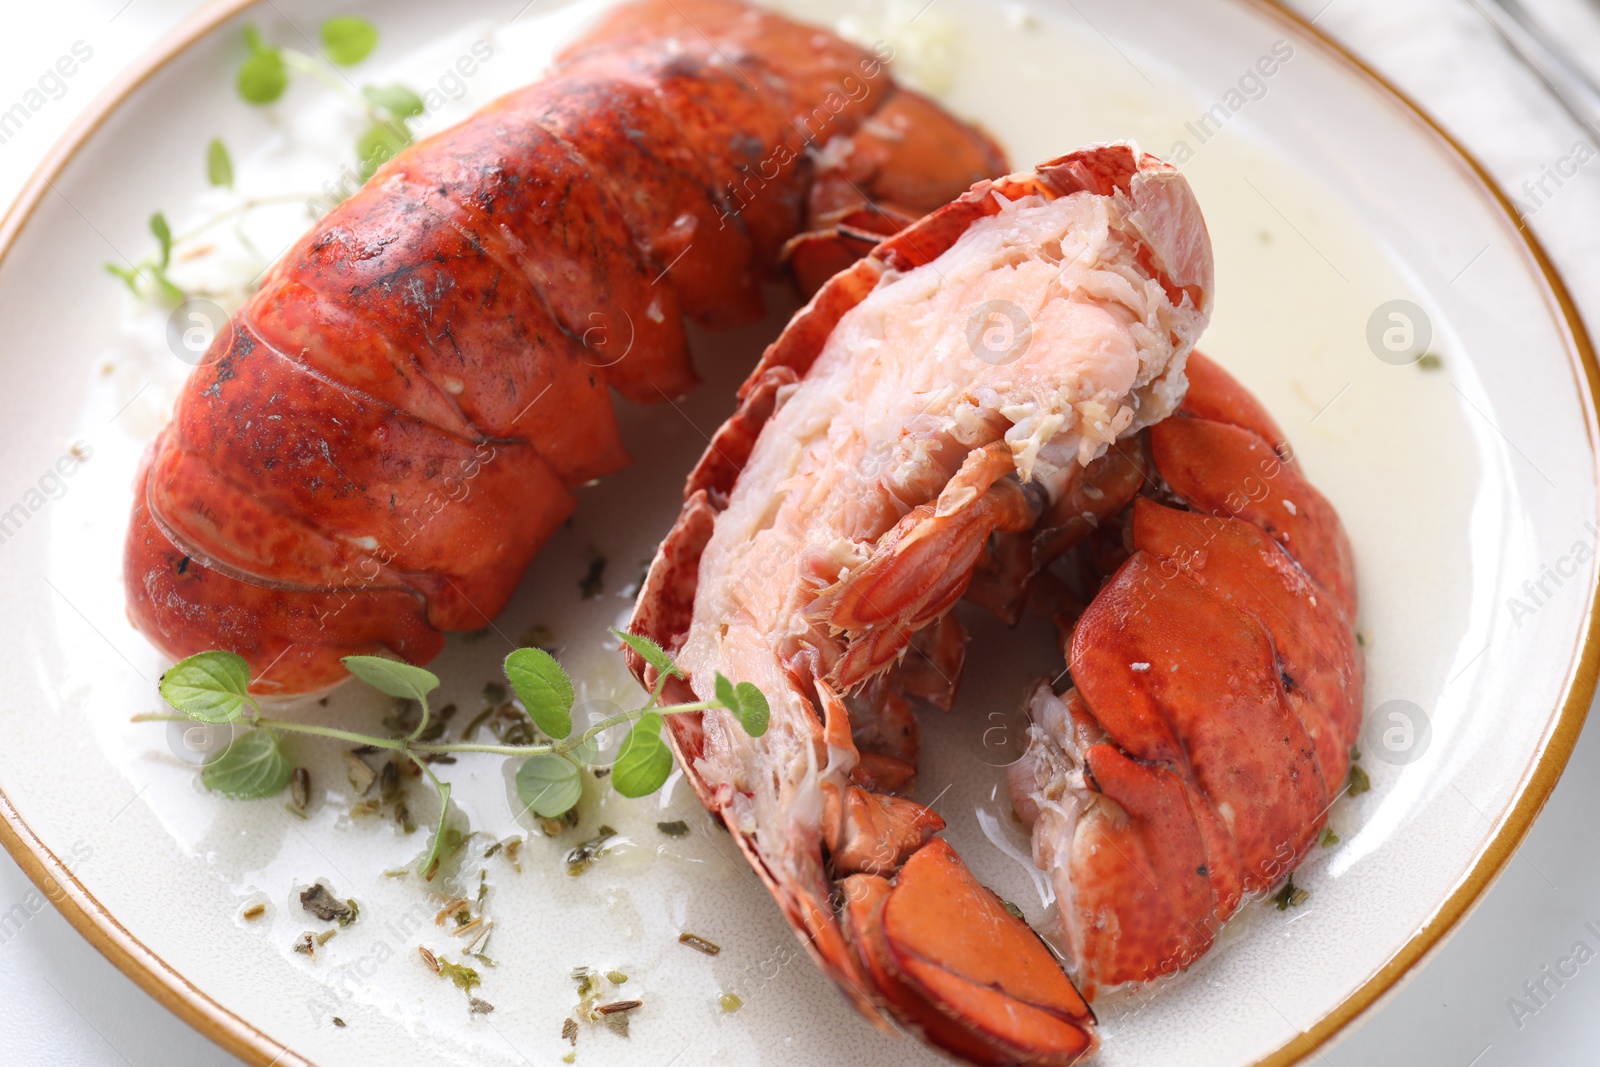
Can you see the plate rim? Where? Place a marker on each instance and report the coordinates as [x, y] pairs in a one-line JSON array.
[[235, 1035]]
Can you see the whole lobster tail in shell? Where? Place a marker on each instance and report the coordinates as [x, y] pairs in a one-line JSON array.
[[877, 449], [392, 426]]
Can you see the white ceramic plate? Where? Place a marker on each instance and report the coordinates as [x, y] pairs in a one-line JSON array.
[[1468, 490]]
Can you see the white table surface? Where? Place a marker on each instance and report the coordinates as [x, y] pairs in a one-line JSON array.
[[62, 1003]]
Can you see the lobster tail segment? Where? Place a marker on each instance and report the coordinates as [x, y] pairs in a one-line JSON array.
[[881, 452], [394, 423], [952, 961], [1217, 691]]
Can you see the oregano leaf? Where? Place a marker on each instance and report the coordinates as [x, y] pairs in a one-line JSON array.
[[392, 677], [549, 785], [648, 651], [209, 686], [544, 689], [430, 862], [644, 761], [254, 766]]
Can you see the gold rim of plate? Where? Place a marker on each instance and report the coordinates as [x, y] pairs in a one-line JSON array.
[[176, 993]]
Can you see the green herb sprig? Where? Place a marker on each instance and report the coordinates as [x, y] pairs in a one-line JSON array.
[[261, 79], [214, 687]]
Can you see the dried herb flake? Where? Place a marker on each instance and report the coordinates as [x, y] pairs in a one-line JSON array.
[[699, 944], [300, 788], [583, 856], [1290, 896], [464, 977], [325, 906]]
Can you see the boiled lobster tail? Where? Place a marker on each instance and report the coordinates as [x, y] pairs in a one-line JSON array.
[[394, 423], [1216, 694], [840, 514]]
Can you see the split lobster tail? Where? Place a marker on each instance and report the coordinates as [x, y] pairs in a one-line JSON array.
[[879, 451], [391, 427]]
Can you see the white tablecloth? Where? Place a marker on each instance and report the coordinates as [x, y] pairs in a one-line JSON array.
[[61, 1003]]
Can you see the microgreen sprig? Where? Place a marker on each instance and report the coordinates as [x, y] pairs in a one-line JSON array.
[[262, 78], [214, 687]]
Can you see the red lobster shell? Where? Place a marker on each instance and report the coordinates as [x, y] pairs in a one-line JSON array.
[[1216, 679], [392, 426]]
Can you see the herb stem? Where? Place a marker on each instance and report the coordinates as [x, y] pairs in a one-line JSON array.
[[421, 726], [307, 65], [410, 747], [243, 207], [563, 747]]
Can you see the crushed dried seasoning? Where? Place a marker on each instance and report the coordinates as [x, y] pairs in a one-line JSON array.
[[588, 983], [253, 912], [389, 782], [569, 1031], [561, 824], [360, 774], [464, 977], [584, 855], [539, 636], [699, 944], [1290, 896], [676, 828], [593, 583], [300, 788], [319, 901], [477, 1006]]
